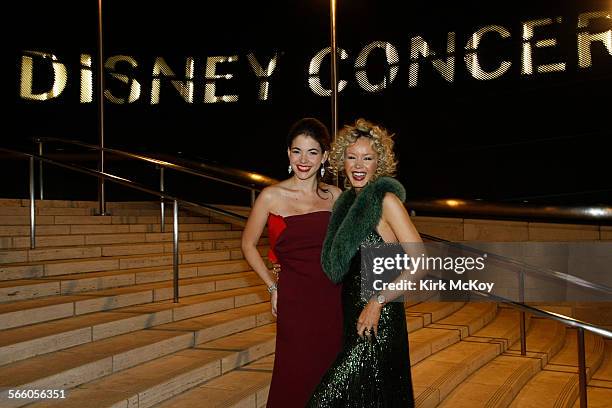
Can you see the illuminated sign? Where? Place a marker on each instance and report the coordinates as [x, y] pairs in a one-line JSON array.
[[121, 68]]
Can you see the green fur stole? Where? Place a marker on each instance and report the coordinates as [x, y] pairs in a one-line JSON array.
[[353, 217]]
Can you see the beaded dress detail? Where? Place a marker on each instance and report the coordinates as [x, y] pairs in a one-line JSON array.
[[368, 373]]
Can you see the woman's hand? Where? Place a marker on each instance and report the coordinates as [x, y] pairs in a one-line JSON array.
[[273, 301], [368, 319]]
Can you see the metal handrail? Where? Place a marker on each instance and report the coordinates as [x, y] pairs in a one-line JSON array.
[[550, 273], [127, 183], [437, 206], [580, 325], [482, 209], [558, 275], [255, 179]]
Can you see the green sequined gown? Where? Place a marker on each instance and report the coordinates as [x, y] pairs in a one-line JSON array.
[[368, 374]]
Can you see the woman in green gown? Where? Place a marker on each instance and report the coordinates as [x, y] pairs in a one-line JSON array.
[[373, 367]]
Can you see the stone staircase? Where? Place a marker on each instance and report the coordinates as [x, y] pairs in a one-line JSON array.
[[90, 312]]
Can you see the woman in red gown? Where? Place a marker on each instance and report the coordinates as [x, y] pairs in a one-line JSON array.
[[305, 302]]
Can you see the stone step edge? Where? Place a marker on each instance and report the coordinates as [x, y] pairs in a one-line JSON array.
[[102, 247], [497, 347], [50, 219], [57, 285], [25, 202], [505, 392], [137, 287], [160, 285], [187, 236], [231, 358], [150, 317], [253, 396], [176, 384], [144, 226], [84, 305], [142, 270], [253, 315], [140, 238], [262, 248], [541, 356]]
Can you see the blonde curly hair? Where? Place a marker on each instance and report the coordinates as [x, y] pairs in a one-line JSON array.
[[382, 144]]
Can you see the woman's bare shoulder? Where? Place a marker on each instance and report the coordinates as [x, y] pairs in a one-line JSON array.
[[335, 191], [271, 193]]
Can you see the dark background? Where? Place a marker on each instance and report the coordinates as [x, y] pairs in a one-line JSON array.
[[540, 138]]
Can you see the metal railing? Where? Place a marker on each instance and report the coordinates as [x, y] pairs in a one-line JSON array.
[[127, 183], [580, 325], [252, 182], [453, 207], [520, 211]]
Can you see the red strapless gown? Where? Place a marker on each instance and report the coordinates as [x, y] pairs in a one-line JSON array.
[[309, 322]]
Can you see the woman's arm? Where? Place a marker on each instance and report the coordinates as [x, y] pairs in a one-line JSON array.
[[398, 220], [252, 232], [395, 226]]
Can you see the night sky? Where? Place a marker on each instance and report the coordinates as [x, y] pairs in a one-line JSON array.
[[539, 137]]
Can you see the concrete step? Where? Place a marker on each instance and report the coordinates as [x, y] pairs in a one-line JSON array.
[[115, 249], [18, 206], [25, 211], [10, 202], [495, 384], [603, 376], [468, 319], [557, 384], [233, 390], [97, 220], [161, 382], [545, 339], [435, 377], [69, 368], [246, 387], [66, 229], [597, 397], [215, 325], [24, 289], [422, 314], [22, 313], [105, 239], [436, 336], [599, 390], [38, 210], [27, 270], [43, 338], [498, 382], [242, 391]]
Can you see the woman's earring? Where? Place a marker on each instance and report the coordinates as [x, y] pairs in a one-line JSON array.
[[289, 169], [322, 170]]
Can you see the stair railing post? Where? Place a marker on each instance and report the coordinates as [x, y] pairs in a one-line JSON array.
[[100, 83], [522, 318], [582, 377], [162, 204], [32, 206], [175, 253], [40, 170]]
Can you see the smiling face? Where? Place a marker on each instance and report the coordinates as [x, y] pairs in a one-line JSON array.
[[360, 162], [305, 156]]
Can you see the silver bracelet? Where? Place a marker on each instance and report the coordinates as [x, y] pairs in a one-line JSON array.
[[272, 288]]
